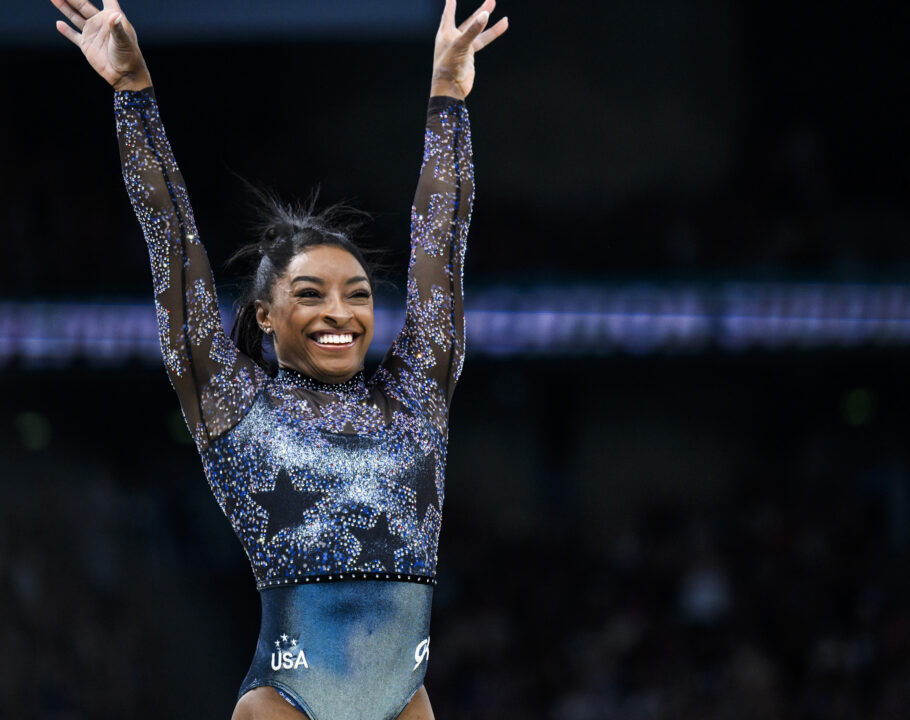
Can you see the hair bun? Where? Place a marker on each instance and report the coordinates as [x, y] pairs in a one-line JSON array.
[[279, 231]]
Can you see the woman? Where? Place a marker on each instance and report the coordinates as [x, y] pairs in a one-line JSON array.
[[333, 483]]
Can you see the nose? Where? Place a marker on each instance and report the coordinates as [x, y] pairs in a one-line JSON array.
[[337, 313]]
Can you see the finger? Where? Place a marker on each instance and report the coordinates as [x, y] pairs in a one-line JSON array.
[[69, 33], [121, 37], [111, 5], [84, 8], [448, 15], [487, 7], [489, 35], [471, 34], [70, 13]]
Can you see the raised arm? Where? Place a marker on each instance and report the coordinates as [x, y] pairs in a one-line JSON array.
[[430, 347], [215, 383]]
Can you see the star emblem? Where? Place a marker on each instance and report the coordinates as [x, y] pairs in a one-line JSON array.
[[284, 638], [284, 504], [378, 543], [427, 495], [277, 643], [293, 642], [422, 481]]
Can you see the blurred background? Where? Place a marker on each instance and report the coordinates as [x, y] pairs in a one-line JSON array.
[[679, 483]]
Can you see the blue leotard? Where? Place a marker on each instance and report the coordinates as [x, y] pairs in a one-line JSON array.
[[335, 491]]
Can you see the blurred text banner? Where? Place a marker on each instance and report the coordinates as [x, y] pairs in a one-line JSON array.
[[547, 320]]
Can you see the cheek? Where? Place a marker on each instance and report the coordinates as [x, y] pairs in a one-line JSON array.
[[366, 320], [299, 315]]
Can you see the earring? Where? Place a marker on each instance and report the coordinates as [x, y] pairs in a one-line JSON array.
[[267, 330]]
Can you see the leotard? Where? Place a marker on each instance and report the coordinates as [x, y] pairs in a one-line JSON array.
[[335, 491]]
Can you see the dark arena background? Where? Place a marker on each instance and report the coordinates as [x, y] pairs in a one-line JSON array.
[[679, 477]]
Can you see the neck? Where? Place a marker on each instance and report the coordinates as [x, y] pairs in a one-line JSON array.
[[347, 384]]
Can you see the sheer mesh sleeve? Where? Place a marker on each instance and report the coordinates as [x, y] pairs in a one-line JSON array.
[[216, 384], [428, 353]]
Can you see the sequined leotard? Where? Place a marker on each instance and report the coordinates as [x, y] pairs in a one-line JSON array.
[[335, 491]]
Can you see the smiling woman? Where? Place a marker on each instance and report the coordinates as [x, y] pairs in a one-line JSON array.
[[333, 483], [320, 314], [311, 288]]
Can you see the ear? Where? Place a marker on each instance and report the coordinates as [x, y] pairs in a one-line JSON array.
[[262, 315]]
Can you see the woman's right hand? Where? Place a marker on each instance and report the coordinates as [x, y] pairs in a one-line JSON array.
[[107, 40]]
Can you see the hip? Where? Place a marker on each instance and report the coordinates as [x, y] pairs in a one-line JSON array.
[[349, 649]]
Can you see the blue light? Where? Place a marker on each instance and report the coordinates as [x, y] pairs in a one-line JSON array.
[[547, 321]]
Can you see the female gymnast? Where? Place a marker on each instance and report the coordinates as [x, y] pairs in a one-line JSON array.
[[333, 483]]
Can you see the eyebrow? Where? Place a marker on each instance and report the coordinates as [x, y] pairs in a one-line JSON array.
[[320, 281]]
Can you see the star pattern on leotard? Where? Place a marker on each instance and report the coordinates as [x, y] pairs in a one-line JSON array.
[[427, 496], [284, 504], [378, 543]]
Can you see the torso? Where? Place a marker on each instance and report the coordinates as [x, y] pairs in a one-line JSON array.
[[322, 487]]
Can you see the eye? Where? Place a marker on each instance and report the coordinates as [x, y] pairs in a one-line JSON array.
[[361, 294], [307, 293]]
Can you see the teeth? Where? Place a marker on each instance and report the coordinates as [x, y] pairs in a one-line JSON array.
[[326, 339]]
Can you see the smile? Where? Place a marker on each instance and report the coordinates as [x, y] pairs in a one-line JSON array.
[[334, 340]]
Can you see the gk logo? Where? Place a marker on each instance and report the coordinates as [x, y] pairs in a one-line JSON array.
[[422, 652]]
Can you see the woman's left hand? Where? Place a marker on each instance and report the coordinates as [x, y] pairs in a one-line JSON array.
[[453, 58]]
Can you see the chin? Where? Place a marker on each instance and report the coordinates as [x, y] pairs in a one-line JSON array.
[[337, 373]]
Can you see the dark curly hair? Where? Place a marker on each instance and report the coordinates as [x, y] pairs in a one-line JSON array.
[[284, 230]]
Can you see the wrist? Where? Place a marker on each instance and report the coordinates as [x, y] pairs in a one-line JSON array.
[[451, 91], [442, 85], [138, 80]]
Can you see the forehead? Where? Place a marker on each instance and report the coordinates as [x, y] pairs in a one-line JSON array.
[[328, 262]]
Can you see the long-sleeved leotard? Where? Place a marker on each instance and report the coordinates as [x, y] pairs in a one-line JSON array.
[[319, 481]]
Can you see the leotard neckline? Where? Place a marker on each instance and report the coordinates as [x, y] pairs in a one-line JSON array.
[[354, 385]]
